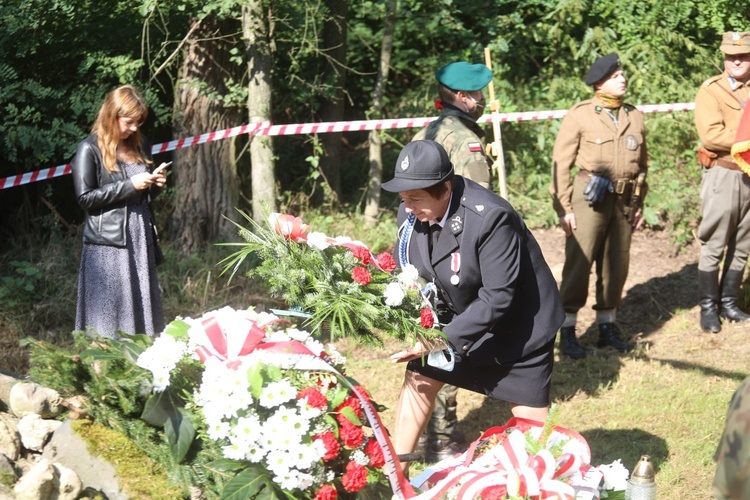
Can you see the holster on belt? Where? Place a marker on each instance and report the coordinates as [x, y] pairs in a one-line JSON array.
[[706, 158]]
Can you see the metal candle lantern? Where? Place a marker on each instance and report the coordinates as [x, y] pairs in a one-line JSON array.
[[641, 484]]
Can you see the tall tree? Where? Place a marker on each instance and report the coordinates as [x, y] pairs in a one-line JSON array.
[[334, 75], [257, 27], [205, 176], [372, 206]]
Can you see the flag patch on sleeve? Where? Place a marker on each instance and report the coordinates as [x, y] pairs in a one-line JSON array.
[[475, 147]]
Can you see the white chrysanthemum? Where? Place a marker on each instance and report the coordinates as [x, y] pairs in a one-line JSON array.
[[277, 438], [615, 476], [409, 276], [279, 462], [318, 240], [247, 429], [277, 393], [394, 295], [255, 452], [234, 452], [218, 430], [306, 411], [290, 480], [161, 358]]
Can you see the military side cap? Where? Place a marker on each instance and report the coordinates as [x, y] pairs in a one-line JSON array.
[[464, 76], [421, 164], [735, 42], [602, 67]]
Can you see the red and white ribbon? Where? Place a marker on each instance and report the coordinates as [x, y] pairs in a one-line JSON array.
[[266, 129]]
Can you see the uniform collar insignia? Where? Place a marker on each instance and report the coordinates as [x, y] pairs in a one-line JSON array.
[[456, 224]]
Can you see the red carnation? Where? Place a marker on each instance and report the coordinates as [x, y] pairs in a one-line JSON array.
[[355, 478], [362, 253], [314, 397], [331, 443], [351, 435], [326, 492], [386, 262], [361, 275], [438, 104], [353, 403], [426, 318], [496, 492], [375, 452]]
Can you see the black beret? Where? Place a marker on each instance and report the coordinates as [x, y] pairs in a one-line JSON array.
[[602, 67]]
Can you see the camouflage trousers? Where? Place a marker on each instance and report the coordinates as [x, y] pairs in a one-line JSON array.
[[444, 418]]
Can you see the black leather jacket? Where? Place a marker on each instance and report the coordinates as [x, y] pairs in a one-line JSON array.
[[104, 195]]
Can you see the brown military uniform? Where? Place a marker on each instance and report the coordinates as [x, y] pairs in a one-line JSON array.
[[725, 190], [590, 140], [461, 137]]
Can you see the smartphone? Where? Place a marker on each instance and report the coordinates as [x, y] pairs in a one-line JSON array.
[[161, 167]]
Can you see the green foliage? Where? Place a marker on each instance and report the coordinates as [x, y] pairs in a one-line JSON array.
[[319, 282]]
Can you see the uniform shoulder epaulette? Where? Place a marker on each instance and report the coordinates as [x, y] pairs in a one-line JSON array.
[[582, 104], [713, 79], [629, 107]]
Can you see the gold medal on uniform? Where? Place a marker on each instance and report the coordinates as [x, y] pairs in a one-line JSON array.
[[455, 267]]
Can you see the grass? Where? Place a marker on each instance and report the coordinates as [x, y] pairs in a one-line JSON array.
[[667, 399]]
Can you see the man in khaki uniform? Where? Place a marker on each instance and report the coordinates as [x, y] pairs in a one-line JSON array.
[[461, 102], [600, 203], [725, 189]]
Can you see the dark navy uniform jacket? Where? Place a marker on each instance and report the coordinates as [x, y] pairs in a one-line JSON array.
[[506, 304]]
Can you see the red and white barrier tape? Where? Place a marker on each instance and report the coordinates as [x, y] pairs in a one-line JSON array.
[[266, 129]]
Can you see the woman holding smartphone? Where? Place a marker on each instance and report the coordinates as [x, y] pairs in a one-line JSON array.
[[118, 289]]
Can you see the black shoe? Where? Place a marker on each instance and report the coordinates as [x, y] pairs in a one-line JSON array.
[[569, 344], [440, 449], [609, 335], [708, 286], [730, 311]]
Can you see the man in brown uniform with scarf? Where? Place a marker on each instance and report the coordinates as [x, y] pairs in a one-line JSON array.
[[599, 205], [725, 189]]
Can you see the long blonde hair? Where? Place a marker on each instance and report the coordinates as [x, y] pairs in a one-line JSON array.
[[123, 102]]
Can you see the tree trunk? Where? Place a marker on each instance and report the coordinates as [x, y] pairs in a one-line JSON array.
[[204, 176], [372, 203], [332, 109], [256, 30]]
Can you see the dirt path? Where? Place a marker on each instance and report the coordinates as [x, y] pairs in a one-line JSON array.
[[660, 282]]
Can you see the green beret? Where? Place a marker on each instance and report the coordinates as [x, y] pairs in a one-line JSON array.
[[602, 67], [464, 76]]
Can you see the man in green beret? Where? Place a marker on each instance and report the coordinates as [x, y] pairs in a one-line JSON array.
[[461, 102], [724, 231], [599, 166]]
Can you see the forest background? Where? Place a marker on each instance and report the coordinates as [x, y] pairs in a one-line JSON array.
[[216, 64]]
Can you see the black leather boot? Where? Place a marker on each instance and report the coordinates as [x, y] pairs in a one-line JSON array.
[[609, 335], [708, 285], [569, 344], [730, 289]]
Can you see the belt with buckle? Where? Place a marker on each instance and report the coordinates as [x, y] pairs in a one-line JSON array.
[[726, 164]]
